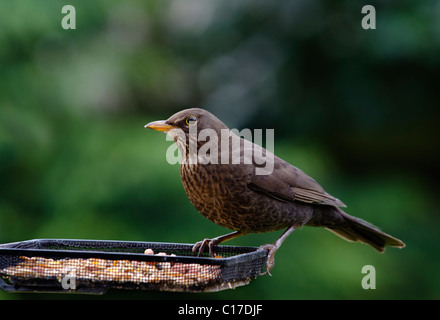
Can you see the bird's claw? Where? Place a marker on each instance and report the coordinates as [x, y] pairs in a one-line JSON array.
[[200, 246], [270, 260]]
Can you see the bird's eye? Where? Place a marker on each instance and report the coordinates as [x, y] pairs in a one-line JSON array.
[[191, 120]]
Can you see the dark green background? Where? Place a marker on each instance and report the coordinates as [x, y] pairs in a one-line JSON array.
[[356, 109]]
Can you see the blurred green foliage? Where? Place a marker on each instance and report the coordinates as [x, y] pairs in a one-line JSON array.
[[356, 109]]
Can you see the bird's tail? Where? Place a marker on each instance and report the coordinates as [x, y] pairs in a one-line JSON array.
[[355, 229]]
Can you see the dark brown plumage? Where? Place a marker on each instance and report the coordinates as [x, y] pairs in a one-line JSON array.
[[236, 197]]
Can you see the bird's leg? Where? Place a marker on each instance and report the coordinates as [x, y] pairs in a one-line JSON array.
[[272, 248], [201, 245]]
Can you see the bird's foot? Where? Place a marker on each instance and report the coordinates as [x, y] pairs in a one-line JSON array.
[[272, 248], [270, 261], [200, 246]]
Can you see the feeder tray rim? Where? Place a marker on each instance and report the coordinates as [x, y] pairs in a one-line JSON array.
[[19, 248]]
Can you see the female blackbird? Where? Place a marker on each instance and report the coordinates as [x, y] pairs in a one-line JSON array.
[[241, 186]]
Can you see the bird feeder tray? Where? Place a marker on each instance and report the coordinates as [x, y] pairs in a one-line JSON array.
[[94, 266]]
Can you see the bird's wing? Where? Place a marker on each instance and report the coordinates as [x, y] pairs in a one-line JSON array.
[[272, 188], [312, 196], [288, 183]]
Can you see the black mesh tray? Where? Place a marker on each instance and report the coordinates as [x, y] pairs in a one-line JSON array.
[[94, 266]]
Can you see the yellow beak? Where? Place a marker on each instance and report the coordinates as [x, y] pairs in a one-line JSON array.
[[160, 126]]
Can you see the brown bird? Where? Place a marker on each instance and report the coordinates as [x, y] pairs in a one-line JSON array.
[[243, 187]]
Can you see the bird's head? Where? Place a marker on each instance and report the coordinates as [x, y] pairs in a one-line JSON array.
[[186, 125]]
